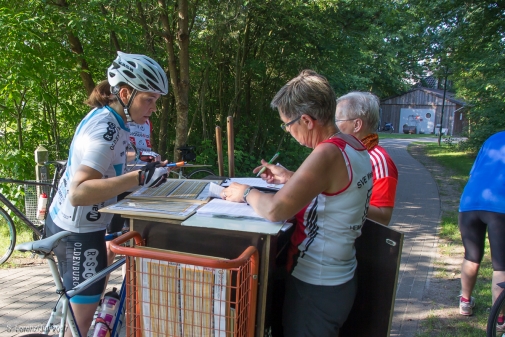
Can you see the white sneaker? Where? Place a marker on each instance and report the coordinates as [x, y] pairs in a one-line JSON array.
[[466, 308]]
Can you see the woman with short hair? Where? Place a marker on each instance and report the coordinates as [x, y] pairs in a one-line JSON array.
[[328, 195]]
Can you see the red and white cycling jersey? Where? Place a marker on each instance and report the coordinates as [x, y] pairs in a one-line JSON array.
[[140, 135], [385, 178]]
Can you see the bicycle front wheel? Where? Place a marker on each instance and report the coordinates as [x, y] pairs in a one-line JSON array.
[[498, 308], [200, 174], [7, 236]]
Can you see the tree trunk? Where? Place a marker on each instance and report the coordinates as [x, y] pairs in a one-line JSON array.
[[148, 40], [163, 136], [202, 103], [113, 36], [179, 80], [183, 102], [76, 47]]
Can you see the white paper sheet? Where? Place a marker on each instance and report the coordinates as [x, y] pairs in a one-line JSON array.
[[257, 182], [215, 190], [228, 209]]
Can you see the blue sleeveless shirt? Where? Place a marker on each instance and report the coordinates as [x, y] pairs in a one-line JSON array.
[[485, 190]]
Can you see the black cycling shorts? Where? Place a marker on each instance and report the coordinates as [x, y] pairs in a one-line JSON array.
[[80, 256], [313, 310], [473, 226]]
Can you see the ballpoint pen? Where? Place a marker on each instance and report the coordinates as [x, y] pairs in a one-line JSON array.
[[270, 162], [178, 164]]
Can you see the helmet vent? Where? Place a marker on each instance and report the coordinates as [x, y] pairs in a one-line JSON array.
[[149, 74], [152, 84], [129, 73], [133, 64], [144, 87]]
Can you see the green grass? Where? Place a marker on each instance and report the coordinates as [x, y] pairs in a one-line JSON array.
[[459, 164], [24, 235]]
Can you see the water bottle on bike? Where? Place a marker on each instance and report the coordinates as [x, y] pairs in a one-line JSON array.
[[110, 305]]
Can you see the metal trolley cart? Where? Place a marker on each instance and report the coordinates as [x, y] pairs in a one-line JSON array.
[[180, 294]]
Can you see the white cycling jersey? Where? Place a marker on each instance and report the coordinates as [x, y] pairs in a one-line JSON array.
[[99, 142]]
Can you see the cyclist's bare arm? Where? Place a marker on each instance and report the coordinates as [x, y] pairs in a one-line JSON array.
[[88, 187], [380, 214]]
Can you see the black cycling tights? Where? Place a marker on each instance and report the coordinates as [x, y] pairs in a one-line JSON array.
[[473, 225]]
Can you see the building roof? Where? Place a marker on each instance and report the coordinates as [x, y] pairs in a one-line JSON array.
[[449, 96]]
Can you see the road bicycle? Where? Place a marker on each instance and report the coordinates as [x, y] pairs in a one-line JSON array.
[[498, 309], [62, 316], [200, 173], [29, 217], [139, 158]]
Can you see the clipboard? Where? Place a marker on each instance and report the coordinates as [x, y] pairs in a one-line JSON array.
[[190, 190], [178, 210]]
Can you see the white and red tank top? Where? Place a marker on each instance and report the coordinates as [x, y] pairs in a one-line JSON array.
[[322, 247]]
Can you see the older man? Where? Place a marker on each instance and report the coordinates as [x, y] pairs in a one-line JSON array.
[[358, 114]]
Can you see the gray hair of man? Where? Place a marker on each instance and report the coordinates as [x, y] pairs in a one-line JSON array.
[[362, 105], [307, 94]]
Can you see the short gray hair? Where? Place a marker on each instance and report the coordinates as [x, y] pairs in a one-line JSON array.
[[309, 93], [363, 105]]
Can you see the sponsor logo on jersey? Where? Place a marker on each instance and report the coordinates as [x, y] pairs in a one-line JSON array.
[[93, 215], [111, 130], [76, 263], [90, 263]]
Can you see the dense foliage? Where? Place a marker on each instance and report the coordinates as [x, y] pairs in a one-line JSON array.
[[229, 58]]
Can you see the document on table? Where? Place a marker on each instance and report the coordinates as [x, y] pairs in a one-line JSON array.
[[228, 209], [256, 182], [171, 210], [215, 190]]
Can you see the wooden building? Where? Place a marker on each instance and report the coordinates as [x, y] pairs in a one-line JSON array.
[[422, 107]]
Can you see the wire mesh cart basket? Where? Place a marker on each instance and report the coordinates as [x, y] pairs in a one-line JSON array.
[[32, 193], [180, 294]]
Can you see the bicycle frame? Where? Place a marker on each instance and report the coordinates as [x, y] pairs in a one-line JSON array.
[[53, 185], [63, 304], [16, 210]]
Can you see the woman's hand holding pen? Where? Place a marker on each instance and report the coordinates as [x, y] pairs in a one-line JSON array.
[[274, 174]]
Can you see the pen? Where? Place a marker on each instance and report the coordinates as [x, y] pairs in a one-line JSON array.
[[178, 164], [270, 162]]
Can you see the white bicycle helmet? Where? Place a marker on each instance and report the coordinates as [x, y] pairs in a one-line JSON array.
[[141, 72]]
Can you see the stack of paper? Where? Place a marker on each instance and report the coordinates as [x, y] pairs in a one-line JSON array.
[[255, 182], [228, 209]]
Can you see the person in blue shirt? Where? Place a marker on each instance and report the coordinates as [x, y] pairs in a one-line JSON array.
[[482, 207]]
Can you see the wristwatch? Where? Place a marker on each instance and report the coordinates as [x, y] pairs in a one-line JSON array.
[[246, 193]]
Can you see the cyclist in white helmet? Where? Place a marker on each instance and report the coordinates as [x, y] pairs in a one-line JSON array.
[[96, 173]]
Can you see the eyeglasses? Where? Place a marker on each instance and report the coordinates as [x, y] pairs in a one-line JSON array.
[[284, 126], [344, 120]]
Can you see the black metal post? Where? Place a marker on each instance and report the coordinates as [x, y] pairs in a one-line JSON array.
[[443, 105]]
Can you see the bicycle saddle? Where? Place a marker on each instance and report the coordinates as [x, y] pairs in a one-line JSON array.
[[44, 246]]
